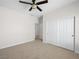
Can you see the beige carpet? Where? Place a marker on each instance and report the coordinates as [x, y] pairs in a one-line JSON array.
[[36, 50]]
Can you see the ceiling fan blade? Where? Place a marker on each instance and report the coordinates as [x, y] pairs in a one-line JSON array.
[[42, 2], [39, 8], [30, 9], [25, 2]]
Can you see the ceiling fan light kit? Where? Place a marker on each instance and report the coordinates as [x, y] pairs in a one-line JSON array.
[[34, 4]]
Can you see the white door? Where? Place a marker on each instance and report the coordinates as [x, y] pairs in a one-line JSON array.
[[65, 32]]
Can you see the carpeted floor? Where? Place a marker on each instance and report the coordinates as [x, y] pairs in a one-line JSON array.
[[36, 50]]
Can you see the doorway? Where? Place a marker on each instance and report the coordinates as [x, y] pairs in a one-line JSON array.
[[39, 29]]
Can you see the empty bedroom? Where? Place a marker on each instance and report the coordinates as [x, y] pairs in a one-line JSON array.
[[39, 29]]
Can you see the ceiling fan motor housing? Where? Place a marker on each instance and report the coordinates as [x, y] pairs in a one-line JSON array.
[[34, 6]]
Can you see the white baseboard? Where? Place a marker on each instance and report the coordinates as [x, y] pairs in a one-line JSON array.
[[17, 43]]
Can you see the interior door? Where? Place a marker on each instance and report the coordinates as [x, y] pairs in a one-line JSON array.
[[66, 32]]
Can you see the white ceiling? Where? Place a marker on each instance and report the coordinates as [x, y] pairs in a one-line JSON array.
[[51, 5]]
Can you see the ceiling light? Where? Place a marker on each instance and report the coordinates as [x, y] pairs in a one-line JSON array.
[[34, 6]]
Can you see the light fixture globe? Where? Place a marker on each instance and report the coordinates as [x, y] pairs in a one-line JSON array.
[[34, 6]]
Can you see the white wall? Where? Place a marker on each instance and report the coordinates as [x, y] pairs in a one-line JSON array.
[[15, 28], [51, 19]]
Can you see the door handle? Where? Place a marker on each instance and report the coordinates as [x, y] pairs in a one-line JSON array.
[[72, 35]]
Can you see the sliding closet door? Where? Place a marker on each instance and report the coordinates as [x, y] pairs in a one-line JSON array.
[[65, 32]]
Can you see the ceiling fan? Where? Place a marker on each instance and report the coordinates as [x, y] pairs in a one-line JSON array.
[[34, 4]]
